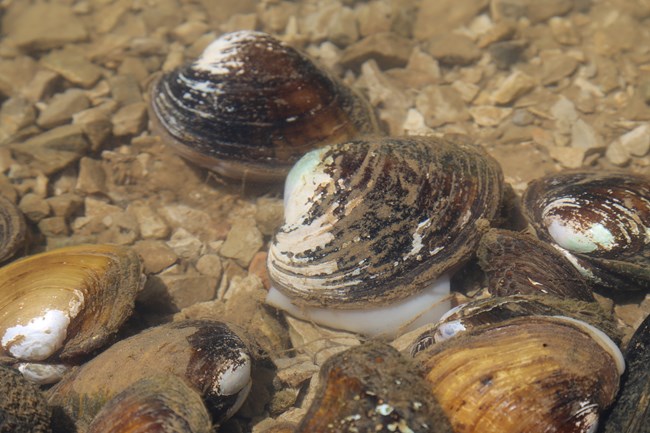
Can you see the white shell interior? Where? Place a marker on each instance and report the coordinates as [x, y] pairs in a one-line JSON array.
[[42, 374], [387, 321], [236, 377]]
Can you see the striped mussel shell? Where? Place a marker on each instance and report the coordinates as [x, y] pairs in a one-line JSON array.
[[12, 229], [600, 220], [369, 222], [250, 106]]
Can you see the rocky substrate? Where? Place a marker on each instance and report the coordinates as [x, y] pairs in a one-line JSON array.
[[542, 86]]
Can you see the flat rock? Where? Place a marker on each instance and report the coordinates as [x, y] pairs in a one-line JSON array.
[[16, 113], [269, 214], [517, 84], [443, 16], [156, 255], [125, 89], [47, 25], [96, 124], [243, 241], [556, 67], [16, 74], [210, 264], [637, 141], [92, 177], [534, 10], [568, 157], [453, 49], [73, 66], [152, 225], [65, 205], [185, 244], [584, 136], [130, 119], [34, 207], [487, 115], [55, 226], [375, 17], [617, 154], [61, 108], [389, 50], [53, 150], [507, 53], [172, 293], [440, 105]]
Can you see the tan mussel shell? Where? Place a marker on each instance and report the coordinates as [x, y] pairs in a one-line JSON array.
[[12, 229], [58, 306], [161, 404], [528, 374]]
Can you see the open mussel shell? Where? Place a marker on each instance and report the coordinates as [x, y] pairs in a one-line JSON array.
[[599, 219], [250, 106], [527, 374], [372, 388], [373, 221], [490, 311], [209, 355], [631, 412], [517, 263], [160, 404], [23, 408], [12, 229], [57, 306]]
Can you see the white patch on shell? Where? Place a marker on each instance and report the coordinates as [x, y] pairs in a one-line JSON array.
[[579, 239], [416, 244], [235, 378], [42, 374], [221, 57], [39, 338]]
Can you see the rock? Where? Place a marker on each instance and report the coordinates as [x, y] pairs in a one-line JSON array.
[[319, 343], [375, 17], [637, 141], [389, 50], [296, 370], [568, 157], [487, 115], [565, 114], [258, 268], [42, 85], [189, 31], [61, 108], [96, 208], [34, 207], [269, 215], [45, 26], [563, 31], [109, 15], [241, 22], [440, 105], [53, 226], [96, 124], [453, 49], [556, 67], [534, 10], [617, 154], [53, 150], [584, 136], [197, 222], [92, 177], [499, 32], [210, 264], [414, 123], [156, 255], [423, 68], [16, 113], [16, 74], [152, 226], [243, 241], [130, 119], [125, 89], [162, 13], [171, 293], [65, 205], [506, 54], [517, 84], [122, 229], [342, 29], [522, 117], [72, 65], [381, 89], [185, 245], [467, 91], [442, 16]]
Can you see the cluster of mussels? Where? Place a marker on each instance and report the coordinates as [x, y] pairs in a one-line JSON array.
[[374, 227]]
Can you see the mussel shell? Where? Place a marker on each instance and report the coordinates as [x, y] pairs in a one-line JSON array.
[[23, 408], [516, 263], [160, 404], [372, 388], [252, 105], [371, 221], [12, 229], [528, 374], [78, 295], [631, 413], [207, 354], [491, 311], [599, 219]]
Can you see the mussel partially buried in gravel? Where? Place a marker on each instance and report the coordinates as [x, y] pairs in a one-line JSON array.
[[600, 220], [23, 408], [372, 229], [12, 229], [527, 374], [209, 355], [59, 306], [250, 106]]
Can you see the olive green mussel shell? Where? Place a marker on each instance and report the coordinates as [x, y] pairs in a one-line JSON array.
[[202, 352], [527, 374], [23, 408], [12, 229], [251, 105], [371, 221], [372, 388], [599, 219], [159, 404], [631, 413]]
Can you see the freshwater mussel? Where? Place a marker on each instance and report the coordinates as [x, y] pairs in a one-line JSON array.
[[373, 225], [600, 220], [59, 306], [250, 106]]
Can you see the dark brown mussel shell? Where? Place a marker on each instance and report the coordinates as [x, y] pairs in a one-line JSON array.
[[159, 404], [250, 106], [12, 229], [23, 408], [631, 413], [207, 354], [372, 388], [600, 220], [526, 374]]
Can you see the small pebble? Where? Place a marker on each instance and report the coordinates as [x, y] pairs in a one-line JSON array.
[[34, 207], [62, 107], [130, 119], [243, 241]]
